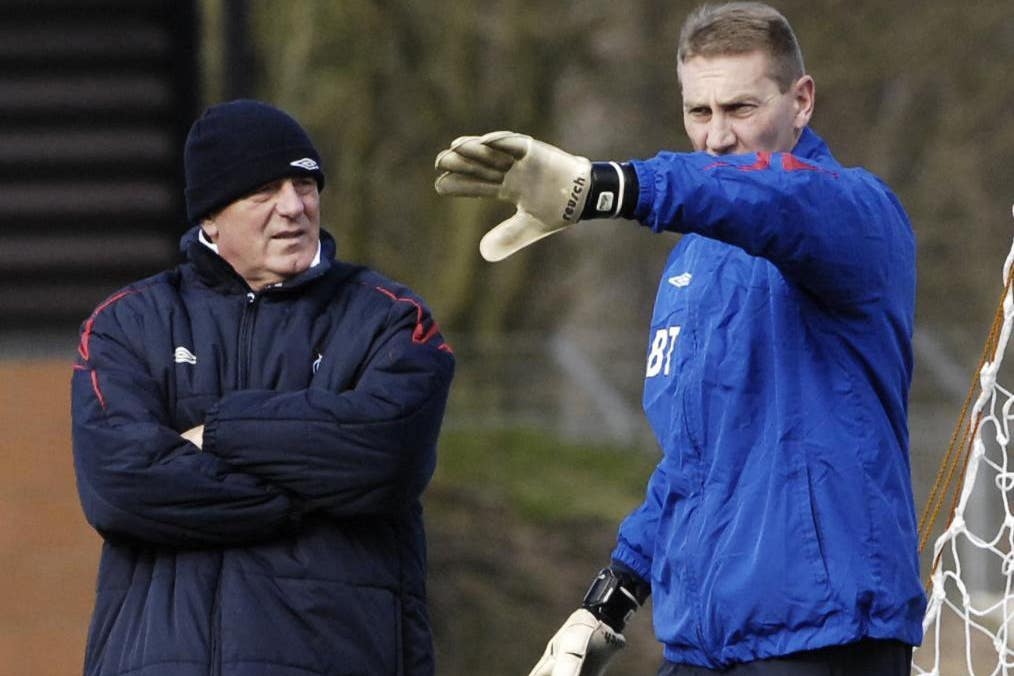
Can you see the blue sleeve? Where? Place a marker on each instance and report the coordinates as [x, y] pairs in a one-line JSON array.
[[137, 477], [636, 541], [370, 449], [833, 231]]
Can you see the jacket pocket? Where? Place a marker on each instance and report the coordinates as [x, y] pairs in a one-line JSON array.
[[676, 600], [813, 542], [763, 575]]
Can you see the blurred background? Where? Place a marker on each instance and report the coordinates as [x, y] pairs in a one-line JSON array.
[[545, 448]]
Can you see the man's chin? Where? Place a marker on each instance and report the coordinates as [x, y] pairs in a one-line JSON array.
[[294, 265]]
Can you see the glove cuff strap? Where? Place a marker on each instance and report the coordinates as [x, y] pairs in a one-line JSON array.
[[613, 191], [610, 601]]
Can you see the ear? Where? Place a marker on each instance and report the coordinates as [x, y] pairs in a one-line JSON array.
[[210, 229], [804, 96]]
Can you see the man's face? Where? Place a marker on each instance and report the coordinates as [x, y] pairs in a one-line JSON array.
[[732, 105], [270, 234]]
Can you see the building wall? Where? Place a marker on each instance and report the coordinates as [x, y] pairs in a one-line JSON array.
[[48, 553]]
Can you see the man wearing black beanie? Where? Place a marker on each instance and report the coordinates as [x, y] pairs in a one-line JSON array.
[[253, 430]]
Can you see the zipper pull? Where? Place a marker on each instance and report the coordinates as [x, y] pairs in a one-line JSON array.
[[251, 297]]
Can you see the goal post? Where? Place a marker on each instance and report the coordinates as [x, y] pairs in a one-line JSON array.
[[969, 621]]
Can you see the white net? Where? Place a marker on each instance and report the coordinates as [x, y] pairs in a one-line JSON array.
[[969, 623]]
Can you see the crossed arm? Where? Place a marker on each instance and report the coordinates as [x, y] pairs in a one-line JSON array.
[[268, 457]]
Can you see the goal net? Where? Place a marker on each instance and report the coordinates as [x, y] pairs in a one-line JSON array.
[[969, 622]]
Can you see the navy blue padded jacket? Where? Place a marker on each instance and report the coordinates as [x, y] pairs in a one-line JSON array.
[[293, 544]]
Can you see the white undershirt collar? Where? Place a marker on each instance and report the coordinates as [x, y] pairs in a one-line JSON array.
[[214, 247]]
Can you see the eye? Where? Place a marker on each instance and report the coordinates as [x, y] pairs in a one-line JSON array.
[[742, 109], [699, 113], [304, 185]]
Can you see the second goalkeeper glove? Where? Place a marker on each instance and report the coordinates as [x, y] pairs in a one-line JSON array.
[[591, 636], [583, 646]]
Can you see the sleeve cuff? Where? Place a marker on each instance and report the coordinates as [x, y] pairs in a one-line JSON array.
[[632, 562], [211, 430], [637, 583], [645, 189]]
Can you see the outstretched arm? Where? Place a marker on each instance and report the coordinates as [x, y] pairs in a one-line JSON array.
[[835, 232], [838, 233]]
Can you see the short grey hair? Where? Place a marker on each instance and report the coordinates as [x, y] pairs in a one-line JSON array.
[[740, 28]]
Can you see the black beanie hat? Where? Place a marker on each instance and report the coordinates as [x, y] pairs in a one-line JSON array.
[[236, 147]]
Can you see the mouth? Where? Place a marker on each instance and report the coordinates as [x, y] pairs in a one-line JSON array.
[[288, 234]]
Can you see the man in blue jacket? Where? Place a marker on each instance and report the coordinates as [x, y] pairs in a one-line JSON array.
[[252, 432], [778, 533]]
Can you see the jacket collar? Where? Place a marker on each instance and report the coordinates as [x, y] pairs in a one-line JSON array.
[[219, 275], [811, 146]]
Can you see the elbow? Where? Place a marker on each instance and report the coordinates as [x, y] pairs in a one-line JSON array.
[[102, 512], [417, 474], [399, 481], [418, 447], [409, 478]]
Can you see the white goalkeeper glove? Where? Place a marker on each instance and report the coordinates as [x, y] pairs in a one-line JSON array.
[[548, 186], [582, 647]]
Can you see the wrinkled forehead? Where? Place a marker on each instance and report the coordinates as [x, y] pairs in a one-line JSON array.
[[727, 77]]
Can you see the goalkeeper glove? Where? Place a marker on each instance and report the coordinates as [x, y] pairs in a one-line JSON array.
[[591, 636], [582, 647], [551, 188]]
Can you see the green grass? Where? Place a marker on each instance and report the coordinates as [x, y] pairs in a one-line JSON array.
[[542, 478]]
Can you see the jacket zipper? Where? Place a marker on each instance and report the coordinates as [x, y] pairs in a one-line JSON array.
[[216, 623], [246, 334], [246, 323]]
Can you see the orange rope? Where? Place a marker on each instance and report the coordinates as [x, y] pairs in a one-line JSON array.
[[945, 473], [959, 451]]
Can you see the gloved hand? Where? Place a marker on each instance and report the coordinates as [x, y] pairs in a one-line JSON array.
[[582, 647], [548, 185]]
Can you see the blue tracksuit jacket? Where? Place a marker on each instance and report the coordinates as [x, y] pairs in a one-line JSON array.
[[293, 544], [780, 517]]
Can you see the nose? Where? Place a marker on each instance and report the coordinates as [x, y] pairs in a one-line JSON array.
[[289, 202], [721, 139]]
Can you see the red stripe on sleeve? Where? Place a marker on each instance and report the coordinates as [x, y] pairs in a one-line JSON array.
[[98, 390], [420, 334], [792, 163], [763, 162], [86, 334]]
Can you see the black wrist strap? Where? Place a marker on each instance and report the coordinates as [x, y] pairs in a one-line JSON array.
[[612, 599], [613, 191]]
